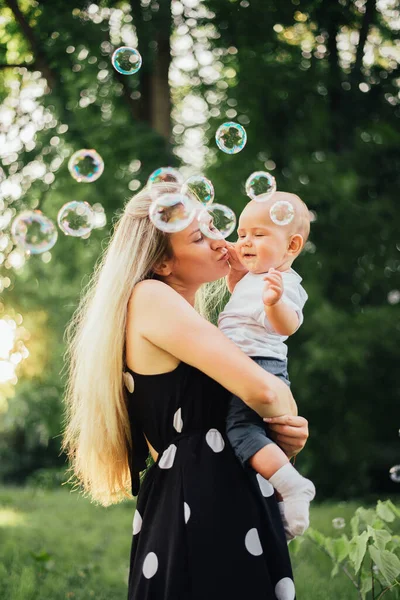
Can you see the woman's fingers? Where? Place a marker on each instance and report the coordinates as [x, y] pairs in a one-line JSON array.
[[292, 420]]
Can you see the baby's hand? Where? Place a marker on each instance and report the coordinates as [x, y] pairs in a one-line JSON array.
[[234, 261], [273, 288]]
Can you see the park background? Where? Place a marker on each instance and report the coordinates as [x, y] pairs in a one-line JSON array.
[[316, 86]]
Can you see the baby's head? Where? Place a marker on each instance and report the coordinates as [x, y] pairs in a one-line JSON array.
[[262, 244]]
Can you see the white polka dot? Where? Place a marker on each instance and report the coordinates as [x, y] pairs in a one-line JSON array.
[[168, 457], [266, 488], [150, 565], [284, 589], [129, 383], [252, 542], [215, 440], [186, 509], [137, 522], [178, 423]]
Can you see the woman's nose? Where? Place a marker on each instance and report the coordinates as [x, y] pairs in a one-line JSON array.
[[218, 244]]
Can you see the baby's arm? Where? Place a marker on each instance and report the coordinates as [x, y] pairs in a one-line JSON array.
[[236, 271], [283, 318]]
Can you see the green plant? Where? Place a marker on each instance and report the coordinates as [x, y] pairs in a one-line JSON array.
[[370, 559]]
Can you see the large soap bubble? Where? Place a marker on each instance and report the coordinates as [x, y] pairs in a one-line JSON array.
[[76, 218], [282, 212], [217, 221], [33, 232], [260, 186], [231, 137], [172, 212], [126, 60], [86, 165], [200, 187]]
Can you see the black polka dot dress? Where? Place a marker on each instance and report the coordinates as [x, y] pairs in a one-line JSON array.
[[204, 528]]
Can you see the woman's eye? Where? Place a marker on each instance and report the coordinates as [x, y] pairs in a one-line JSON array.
[[199, 240]]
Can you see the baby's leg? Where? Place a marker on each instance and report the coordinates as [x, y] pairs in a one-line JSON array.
[[247, 434]]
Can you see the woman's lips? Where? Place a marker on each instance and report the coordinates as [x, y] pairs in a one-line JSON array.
[[225, 256]]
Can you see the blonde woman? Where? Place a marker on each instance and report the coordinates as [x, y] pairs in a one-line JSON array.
[[149, 374]]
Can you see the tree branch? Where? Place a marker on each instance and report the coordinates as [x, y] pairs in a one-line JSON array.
[[40, 59], [368, 18]]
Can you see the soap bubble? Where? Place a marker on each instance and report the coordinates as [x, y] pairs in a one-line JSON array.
[[172, 212], [221, 224], [231, 137], [76, 219], [34, 232], [99, 216], [395, 473], [86, 165], [282, 212], [200, 187], [126, 60], [339, 523], [260, 186], [163, 175]]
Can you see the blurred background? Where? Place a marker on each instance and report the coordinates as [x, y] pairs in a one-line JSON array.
[[316, 85]]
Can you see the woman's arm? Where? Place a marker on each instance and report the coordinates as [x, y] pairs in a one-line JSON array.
[[169, 322]]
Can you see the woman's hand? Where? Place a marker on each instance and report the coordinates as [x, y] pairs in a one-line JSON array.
[[289, 432]]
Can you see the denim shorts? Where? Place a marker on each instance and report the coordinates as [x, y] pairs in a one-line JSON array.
[[245, 429]]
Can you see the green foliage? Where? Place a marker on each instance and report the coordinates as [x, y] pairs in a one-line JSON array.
[[371, 557], [327, 127]]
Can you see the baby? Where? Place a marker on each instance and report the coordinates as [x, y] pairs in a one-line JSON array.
[[264, 309]]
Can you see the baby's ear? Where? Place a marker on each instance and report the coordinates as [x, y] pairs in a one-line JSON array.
[[296, 243]]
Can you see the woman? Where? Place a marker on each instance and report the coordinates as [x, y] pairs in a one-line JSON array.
[[203, 527]]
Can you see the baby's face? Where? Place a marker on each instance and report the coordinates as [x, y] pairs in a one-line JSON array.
[[261, 243]]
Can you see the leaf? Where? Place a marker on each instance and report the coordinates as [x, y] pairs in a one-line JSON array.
[[354, 525], [295, 544], [368, 515], [387, 562], [335, 570], [366, 584], [380, 536], [358, 548], [385, 512], [393, 507], [339, 548], [317, 536]]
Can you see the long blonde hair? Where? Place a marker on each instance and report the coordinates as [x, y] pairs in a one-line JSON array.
[[96, 432]]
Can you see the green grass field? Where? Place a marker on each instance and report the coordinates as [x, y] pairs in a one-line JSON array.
[[56, 545]]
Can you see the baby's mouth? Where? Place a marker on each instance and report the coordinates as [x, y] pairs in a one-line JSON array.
[[248, 255]]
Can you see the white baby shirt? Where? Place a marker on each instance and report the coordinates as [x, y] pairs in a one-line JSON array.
[[244, 321]]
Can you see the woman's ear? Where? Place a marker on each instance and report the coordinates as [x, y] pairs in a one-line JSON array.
[[163, 268], [295, 243]]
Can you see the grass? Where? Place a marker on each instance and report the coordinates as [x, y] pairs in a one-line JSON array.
[[56, 545]]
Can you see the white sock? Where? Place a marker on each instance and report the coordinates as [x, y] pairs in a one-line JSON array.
[[297, 493]]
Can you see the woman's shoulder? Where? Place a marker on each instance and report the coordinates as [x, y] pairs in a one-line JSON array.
[[149, 291]]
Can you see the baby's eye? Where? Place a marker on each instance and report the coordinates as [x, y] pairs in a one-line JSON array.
[[240, 235], [259, 235]]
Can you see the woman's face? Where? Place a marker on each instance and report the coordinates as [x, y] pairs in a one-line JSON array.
[[197, 259]]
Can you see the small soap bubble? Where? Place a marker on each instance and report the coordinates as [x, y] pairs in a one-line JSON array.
[[201, 188], [76, 219], [339, 523], [126, 60], [217, 221], [393, 297], [172, 212], [231, 137], [395, 473], [375, 569], [86, 165], [260, 186], [163, 175], [33, 232], [282, 212]]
